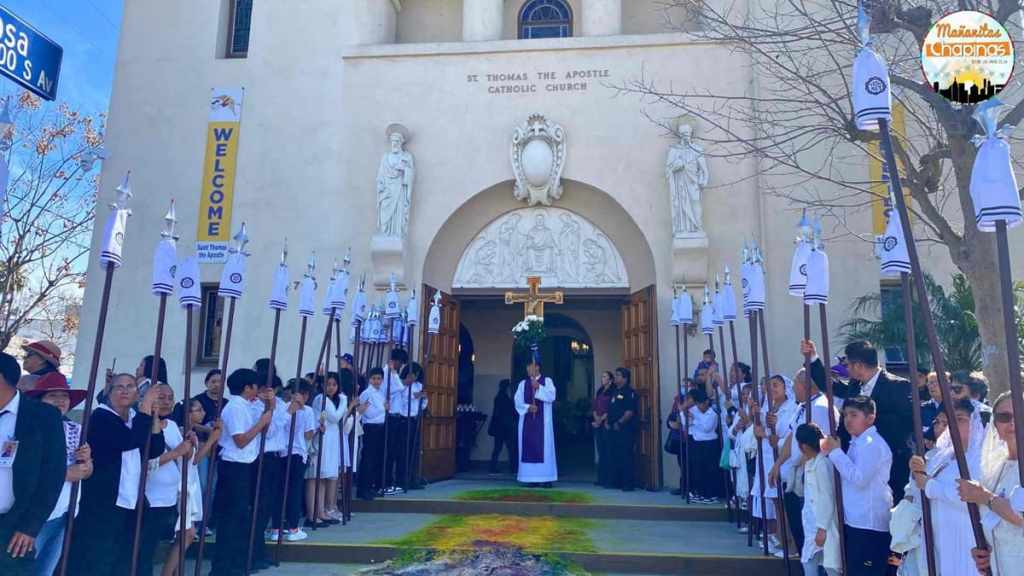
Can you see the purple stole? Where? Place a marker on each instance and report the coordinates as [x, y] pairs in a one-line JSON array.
[[533, 427]]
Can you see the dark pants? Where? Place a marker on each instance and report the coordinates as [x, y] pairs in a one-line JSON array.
[[234, 503], [794, 517], [705, 476], [899, 474], [297, 475], [24, 566], [507, 442], [157, 525], [394, 468], [604, 458], [867, 552], [269, 502], [370, 463], [414, 452], [102, 542], [622, 452]]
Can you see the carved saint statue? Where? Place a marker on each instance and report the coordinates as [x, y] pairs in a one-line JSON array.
[[394, 185], [687, 173], [541, 249]]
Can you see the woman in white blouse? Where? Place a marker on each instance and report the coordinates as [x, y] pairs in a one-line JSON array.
[[999, 476], [329, 413]]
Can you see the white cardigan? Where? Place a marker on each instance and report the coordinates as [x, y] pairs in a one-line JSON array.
[[820, 512]]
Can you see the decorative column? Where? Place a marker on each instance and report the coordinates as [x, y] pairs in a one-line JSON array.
[[482, 20], [601, 17]]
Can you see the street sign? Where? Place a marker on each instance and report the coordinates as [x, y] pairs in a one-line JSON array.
[[28, 57]]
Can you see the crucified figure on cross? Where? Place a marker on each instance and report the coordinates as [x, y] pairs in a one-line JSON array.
[[533, 300]]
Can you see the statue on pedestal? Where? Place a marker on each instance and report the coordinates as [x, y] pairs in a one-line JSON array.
[[395, 180], [687, 173]]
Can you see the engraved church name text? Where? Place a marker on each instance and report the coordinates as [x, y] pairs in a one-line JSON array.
[[503, 83]]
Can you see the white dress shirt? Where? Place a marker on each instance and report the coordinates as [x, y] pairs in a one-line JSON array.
[[702, 424], [417, 403], [305, 421], [238, 417], [280, 426], [819, 415], [375, 412], [398, 393], [131, 467], [864, 470], [8, 421], [868, 387]]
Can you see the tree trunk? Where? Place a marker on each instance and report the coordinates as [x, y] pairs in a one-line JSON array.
[[982, 271]]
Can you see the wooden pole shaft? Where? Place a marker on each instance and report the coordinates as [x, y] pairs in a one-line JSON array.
[[1010, 328], [208, 489], [291, 446], [720, 405], [836, 480], [186, 415], [90, 395], [757, 422], [356, 371], [320, 421], [780, 508], [684, 491], [926, 509], [154, 380], [341, 424], [807, 364], [929, 324], [269, 382]]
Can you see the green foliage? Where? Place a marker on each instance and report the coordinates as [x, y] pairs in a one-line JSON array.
[[876, 318], [525, 495]]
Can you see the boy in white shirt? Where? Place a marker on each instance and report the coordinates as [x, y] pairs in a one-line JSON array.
[[373, 407], [269, 498], [703, 446], [239, 447], [864, 470], [305, 427], [396, 426]]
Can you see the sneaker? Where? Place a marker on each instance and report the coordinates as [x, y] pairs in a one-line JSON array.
[[711, 500], [271, 535], [296, 534], [743, 529]]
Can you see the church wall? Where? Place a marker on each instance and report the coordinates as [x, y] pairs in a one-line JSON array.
[[653, 16], [430, 21], [288, 164], [511, 21]]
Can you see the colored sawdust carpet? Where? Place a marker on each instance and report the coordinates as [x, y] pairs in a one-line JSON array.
[[489, 560], [532, 534], [526, 495]]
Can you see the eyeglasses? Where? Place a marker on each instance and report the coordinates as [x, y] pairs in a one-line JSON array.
[[124, 388], [1003, 417], [957, 388]]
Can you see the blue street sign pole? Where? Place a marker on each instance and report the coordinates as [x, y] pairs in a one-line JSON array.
[[28, 57]]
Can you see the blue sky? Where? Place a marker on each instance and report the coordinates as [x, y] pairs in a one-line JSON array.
[[88, 32]]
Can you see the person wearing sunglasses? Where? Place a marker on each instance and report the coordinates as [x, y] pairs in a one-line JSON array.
[[999, 477]]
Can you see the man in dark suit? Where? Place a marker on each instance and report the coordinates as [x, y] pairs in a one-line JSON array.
[[892, 395], [503, 428], [32, 467]]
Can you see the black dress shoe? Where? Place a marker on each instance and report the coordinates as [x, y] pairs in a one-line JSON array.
[[331, 521]]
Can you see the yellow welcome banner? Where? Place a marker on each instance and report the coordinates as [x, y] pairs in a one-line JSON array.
[[219, 171]]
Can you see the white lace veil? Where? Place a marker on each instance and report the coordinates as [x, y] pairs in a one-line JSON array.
[[973, 446], [994, 451]]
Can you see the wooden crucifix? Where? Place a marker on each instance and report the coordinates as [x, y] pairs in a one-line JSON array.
[[533, 300]]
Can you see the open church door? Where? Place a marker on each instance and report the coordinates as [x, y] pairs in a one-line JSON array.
[[442, 375], [640, 355]]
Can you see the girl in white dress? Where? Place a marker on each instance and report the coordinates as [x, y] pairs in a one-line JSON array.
[[783, 410], [1004, 527], [329, 413], [820, 547], [938, 478]]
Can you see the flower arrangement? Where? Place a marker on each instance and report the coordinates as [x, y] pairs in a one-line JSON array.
[[529, 333]]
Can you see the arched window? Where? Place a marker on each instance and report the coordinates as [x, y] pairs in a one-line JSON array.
[[545, 19]]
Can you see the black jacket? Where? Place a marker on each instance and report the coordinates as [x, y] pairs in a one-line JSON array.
[[893, 410], [503, 417], [109, 439], [39, 465]]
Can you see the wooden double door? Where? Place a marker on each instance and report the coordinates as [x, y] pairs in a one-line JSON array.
[[440, 358]]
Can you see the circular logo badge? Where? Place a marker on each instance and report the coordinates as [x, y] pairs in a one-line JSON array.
[[119, 238], [889, 243], [174, 271], [187, 282], [236, 278], [803, 269], [967, 57], [875, 85]]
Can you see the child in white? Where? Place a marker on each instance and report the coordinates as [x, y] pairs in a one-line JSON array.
[[821, 530]]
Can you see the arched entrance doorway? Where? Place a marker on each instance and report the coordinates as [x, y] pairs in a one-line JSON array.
[[588, 246]]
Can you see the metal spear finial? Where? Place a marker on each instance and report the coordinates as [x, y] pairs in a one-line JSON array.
[[242, 238], [124, 193], [348, 259], [707, 295], [284, 252], [169, 221], [311, 265], [728, 276]]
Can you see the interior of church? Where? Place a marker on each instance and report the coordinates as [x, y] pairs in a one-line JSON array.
[[584, 339]]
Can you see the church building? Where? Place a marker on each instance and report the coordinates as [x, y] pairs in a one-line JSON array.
[[459, 146]]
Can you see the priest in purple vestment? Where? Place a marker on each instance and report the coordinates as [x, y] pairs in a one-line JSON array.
[[534, 398]]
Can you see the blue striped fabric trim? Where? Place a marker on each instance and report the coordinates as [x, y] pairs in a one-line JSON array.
[[190, 301], [874, 112], [278, 305], [110, 258], [896, 265], [729, 317], [229, 292], [816, 298], [307, 313]]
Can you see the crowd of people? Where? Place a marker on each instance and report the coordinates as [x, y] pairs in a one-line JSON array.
[[313, 432], [783, 464]]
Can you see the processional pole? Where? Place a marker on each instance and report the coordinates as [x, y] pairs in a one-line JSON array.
[[189, 297]]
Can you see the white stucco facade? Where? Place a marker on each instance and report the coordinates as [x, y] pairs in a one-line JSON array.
[[323, 79]]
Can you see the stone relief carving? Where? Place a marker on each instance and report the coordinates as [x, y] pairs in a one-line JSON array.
[[687, 173], [538, 157], [563, 248], [395, 179]]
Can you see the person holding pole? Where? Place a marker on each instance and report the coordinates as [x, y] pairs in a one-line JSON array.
[[239, 447], [373, 407]]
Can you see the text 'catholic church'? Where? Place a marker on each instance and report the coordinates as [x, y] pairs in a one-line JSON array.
[[453, 145]]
